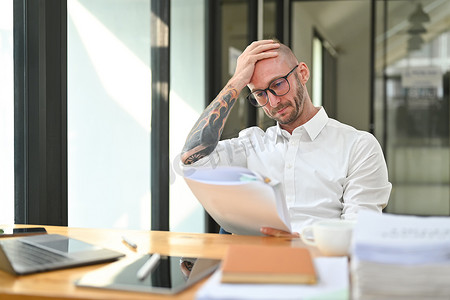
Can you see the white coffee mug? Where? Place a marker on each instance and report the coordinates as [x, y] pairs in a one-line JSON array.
[[332, 237]]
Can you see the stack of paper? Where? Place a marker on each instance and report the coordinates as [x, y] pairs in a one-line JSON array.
[[401, 257]]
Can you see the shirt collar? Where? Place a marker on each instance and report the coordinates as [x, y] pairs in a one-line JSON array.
[[313, 127]]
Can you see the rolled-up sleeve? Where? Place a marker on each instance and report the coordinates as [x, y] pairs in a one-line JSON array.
[[367, 185]]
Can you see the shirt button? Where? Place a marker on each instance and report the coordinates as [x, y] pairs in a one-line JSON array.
[[289, 166]]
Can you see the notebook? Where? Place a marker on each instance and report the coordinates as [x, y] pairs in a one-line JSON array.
[[268, 264], [39, 253]]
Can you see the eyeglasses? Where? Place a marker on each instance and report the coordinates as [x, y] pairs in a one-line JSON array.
[[278, 87]]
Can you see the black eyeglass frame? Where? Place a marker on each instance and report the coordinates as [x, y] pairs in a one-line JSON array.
[[272, 91]]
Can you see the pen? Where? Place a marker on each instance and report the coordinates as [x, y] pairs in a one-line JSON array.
[[149, 265], [129, 242], [256, 177]]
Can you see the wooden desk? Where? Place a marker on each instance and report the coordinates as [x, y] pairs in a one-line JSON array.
[[59, 284]]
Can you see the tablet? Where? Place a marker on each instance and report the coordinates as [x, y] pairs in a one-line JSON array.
[[171, 275]]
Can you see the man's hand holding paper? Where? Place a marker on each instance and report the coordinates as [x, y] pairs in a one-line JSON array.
[[278, 233], [241, 201]]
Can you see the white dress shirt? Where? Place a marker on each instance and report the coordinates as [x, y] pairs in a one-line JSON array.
[[328, 169]]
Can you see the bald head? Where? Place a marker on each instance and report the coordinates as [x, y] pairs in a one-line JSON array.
[[268, 66], [286, 53]]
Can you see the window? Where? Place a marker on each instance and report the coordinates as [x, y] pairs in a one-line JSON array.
[[323, 73], [317, 70], [109, 110], [187, 101]]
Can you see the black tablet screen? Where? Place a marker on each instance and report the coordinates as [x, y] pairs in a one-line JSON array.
[[171, 275]]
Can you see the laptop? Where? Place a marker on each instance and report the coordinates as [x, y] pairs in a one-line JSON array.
[[40, 253]]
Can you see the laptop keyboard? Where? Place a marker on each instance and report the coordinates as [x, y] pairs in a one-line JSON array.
[[27, 254]]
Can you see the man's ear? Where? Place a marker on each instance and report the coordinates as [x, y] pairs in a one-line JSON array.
[[303, 72]]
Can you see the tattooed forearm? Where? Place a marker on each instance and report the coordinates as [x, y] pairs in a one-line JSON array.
[[205, 134]]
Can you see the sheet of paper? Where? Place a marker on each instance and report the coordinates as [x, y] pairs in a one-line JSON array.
[[401, 257], [400, 239], [333, 284], [401, 230], [239, 200]]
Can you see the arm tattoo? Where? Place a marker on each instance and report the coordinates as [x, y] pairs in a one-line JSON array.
[[205, 134]]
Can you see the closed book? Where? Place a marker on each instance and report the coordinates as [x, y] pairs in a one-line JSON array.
[[268, 264]]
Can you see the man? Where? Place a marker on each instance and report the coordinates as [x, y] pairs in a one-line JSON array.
[[328, 169]]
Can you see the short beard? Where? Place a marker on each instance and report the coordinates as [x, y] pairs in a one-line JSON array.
[[298, 104]]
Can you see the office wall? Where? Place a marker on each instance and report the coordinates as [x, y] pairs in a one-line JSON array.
[[353, 76], [353, 70], [302, 35]]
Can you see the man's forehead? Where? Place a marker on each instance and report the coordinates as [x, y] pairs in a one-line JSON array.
[[264, 75]]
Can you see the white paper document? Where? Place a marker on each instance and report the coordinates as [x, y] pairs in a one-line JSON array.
[[239, 200], [388, 238], [400, 257], [333, 284]]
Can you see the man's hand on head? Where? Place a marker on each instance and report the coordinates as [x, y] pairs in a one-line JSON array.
[[255, 52], [279, 233]]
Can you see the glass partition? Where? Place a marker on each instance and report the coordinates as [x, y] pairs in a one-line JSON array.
[[236, 29], [412, 103], [234, 39]]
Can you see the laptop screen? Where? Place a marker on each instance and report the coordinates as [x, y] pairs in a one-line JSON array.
[[65, 246]]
